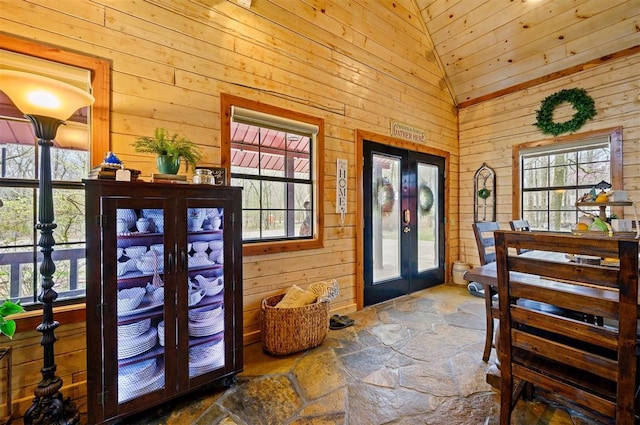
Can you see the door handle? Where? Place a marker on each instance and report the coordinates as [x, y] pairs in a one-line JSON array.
[[183, 259], [170, 262], [406, 216]]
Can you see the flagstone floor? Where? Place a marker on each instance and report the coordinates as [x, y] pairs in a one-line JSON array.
[[412, 360]]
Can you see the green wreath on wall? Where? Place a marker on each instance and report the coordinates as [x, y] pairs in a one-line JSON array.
[[582, 103]]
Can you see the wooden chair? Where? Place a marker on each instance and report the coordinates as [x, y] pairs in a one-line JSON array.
[[591, 365], [483, 232], [521, 226]]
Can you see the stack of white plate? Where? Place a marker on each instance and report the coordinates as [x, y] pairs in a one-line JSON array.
[[161, 333], [129, 347], [205, 313], [130, 388], [206, 326], [206, 357], [130, 376], [134, 329]]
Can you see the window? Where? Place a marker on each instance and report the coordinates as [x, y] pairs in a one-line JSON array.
[[71, 160], [274, 155], [555, 175]]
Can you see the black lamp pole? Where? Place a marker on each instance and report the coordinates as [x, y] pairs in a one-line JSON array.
[[48, 406]]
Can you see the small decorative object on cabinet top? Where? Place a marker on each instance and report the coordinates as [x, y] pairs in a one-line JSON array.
[[109, 167], [170, 149], [214, 175]]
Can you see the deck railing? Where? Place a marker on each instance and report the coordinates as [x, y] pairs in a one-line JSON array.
[[75, 281]]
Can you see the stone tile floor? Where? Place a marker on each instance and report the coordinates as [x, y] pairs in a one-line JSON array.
[[412, 360]]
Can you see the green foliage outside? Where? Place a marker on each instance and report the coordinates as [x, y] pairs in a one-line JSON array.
[[18, 235]]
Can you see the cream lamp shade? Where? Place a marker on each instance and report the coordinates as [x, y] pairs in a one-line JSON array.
[[42, 96]]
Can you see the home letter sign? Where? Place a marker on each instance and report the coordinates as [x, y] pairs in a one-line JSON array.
[[341, 188]]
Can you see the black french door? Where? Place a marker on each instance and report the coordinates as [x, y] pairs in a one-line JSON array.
[[403, 222]]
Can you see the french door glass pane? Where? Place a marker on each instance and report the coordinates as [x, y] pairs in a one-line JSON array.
[[427, 220], [385, 217]]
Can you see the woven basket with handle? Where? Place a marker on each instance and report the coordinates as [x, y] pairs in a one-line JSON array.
[[289, 330]]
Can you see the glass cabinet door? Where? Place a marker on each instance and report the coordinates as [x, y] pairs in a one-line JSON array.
[[140, 257], [205, 287]]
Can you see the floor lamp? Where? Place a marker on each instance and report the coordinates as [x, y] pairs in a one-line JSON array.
[[46, 103]]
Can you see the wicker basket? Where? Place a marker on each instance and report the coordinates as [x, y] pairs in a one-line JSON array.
[[289, 330]]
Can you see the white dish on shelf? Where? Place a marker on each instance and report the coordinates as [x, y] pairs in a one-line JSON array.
[[129, 347], [216, 244], [146, 305], [205, 358], [208, 312], [196, 296], [200, 246], [155, 295], [213, 286], [134, 329], [135, 389], [124, 267], [130, 298], [150, 263], [206, 327], [157, 247], [127, 215], [199, 262], [161, 333], [135, 251], [139, 371]]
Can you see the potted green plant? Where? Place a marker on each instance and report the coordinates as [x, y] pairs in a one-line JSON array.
[[8, 327], [170, 149]]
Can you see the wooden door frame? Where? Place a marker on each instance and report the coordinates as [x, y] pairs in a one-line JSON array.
[[361, 136]]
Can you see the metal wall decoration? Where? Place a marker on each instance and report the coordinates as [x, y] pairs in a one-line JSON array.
[[484, 190]]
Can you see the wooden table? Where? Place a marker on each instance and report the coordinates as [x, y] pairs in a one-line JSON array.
[[487, 275]]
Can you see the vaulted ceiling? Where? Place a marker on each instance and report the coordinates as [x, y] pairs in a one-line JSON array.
[[491, 47]]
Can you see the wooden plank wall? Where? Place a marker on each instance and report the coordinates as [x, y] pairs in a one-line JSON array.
[[490, 129], [356, 64]]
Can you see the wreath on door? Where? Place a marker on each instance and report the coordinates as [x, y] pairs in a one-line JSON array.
[[425, 199], [386, 195]]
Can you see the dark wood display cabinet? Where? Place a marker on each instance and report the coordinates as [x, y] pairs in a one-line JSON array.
[[164, 293]]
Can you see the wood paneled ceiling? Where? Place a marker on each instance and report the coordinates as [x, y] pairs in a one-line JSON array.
[[491, 47]]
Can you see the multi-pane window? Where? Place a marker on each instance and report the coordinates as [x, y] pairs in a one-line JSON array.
[[273, 159], [20, 255], [553, 178]]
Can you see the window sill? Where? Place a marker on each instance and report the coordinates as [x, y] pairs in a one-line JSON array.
[[280, 246], [74, 313]]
